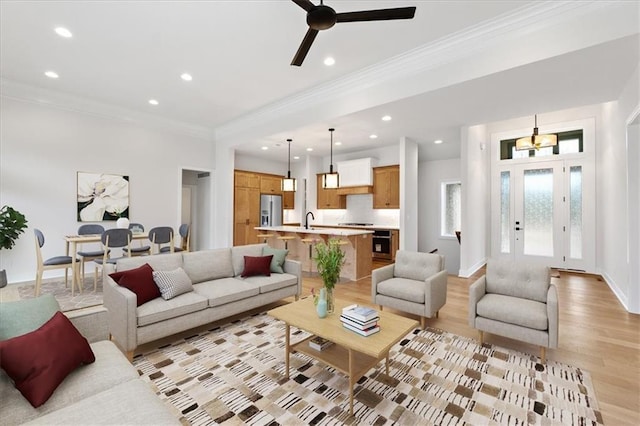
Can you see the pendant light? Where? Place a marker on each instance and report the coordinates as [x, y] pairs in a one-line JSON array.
[[536, 141], [289, 184], [330, 180]]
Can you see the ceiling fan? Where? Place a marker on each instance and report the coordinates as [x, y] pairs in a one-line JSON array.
[[321, 17]]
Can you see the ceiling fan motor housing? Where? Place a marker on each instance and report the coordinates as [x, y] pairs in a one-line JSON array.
[[321, 17]]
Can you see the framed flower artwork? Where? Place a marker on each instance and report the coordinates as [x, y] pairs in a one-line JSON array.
[[102, 196]]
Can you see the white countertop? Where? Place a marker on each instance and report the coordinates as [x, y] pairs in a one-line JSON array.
[[342, 232]]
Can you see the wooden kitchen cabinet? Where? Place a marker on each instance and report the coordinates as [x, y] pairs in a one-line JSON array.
[[270, 185], [329, 198], [246, 206], [288, 200], [246, 179], [386, 187]]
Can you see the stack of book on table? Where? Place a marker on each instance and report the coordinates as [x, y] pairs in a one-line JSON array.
[[360, 319], [319, 344]]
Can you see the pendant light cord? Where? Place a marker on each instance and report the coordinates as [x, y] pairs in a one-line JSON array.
[[331, 150], [289, 160]]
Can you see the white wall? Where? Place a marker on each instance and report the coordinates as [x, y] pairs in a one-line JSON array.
[[475, 199], [430, 176], [42, 149], [613, 207]]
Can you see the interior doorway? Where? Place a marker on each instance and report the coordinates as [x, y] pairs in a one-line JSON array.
[[195, 206]]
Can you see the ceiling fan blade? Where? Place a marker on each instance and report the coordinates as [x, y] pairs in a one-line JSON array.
[[305, 4], [304, 47], [377, 15]]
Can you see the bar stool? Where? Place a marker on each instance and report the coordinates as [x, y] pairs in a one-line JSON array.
[[265, 237], [311, 242], [286, 239]]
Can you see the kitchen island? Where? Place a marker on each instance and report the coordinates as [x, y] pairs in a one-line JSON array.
[[356, 243]]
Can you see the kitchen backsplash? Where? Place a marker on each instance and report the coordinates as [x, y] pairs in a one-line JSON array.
[[360, 209]]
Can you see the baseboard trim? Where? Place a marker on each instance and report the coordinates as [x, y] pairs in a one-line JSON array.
[[466, 273], [616, 290]]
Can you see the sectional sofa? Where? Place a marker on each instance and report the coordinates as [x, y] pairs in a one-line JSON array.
[[107, 391], [219, 291]]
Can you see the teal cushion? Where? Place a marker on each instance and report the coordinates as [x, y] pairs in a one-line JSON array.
[[278, 258], [24, 316]]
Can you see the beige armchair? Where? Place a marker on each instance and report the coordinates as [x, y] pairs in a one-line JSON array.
[[517, 301], [416, 283]]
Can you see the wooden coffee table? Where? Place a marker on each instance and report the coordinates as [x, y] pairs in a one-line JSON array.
[[351, 354]]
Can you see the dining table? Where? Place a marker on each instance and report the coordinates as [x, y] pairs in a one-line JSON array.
[[72, 242]]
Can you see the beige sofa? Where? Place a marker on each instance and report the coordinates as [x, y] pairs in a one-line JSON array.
[[416, 283], [517, 301], [107, 391], [218, 292]]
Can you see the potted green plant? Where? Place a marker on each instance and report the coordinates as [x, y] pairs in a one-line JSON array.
[[12, 224], [329, 260]]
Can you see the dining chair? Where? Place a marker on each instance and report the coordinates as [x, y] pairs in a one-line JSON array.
[[139, 250], [162, 235], [112, 238], [88, 255], [185, 232], [56, 262]]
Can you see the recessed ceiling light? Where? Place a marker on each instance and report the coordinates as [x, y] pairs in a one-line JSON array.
[[153, 102], [328, 61], [438, 141], [373, 136], [296, 157], [309, 149], [264, 148], [63, 32], [338, 143], [51, 74], [386, 118], [186, 77]]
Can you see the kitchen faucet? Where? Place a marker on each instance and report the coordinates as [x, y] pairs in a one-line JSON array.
[[306, 219]]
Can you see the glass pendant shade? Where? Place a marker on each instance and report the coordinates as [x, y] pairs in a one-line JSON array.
[[331, 180], [536, 141], [289, 184]]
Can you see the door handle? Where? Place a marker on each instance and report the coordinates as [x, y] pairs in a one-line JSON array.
[[519, 228]]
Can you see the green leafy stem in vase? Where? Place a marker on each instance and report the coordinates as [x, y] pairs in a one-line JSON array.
[[329, 260]]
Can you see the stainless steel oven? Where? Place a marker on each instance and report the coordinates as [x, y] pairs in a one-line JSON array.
[[382, 244]]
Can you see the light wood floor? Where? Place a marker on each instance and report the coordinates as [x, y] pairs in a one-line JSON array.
[[596, 334]]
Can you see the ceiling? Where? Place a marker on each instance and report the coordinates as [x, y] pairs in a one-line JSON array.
[[238, 52]]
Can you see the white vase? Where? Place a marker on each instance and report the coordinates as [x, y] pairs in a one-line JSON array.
[[122, 223]]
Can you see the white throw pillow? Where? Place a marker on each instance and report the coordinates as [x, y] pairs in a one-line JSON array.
[[172, 283]]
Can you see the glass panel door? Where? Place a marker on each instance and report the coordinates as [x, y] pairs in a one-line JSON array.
[[537, 212]]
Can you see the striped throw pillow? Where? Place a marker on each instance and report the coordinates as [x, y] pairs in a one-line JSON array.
[[172, 283]]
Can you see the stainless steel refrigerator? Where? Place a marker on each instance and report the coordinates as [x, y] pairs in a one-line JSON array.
[[271, 210]]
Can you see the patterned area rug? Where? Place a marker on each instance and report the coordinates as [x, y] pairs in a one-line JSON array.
[[63, 294], [235, 374]]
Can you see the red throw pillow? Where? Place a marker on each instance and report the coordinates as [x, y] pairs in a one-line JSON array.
[[140, 281], [39, 361], [260, 265]]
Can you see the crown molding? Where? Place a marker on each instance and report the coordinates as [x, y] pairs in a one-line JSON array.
[[10, 89], [522, 21]]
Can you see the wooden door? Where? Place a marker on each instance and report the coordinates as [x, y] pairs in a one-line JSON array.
[[386, 187], [288, 200], [329, 198], [270, 185], [394, 188]]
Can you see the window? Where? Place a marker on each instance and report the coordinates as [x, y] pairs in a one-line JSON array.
[[450, 211], [568, 143]]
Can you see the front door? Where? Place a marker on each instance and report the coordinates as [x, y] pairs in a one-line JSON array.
[[541, 215]]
